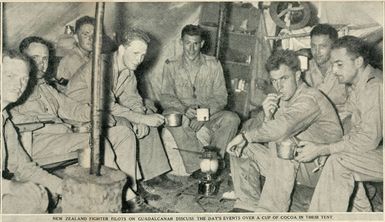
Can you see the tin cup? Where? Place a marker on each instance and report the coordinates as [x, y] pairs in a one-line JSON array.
[[173, 119], [203, 114], [286, 149]]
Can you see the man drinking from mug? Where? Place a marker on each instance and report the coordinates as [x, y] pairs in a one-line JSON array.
[[296, 112]]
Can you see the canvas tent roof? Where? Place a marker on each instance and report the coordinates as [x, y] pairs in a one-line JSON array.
[[162, 20]]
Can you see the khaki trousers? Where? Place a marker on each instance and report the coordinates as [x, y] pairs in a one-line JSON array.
[[222, 127], [24, 198], [280, 174], [119, 148], [152, 159], [337, 182]]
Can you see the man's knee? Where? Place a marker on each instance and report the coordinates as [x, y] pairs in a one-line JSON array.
[[334, 160], [122, 134], [285, 169], [335, 166], [123, 131], [26, 197], [230, 118]]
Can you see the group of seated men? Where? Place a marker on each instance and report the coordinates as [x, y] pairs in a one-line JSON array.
[[339, 87], [334, 113], [131, 139]]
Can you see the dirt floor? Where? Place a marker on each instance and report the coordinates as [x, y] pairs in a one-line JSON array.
[[187, 200]]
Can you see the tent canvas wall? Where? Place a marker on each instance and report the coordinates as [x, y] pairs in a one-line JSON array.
[[162, 20]]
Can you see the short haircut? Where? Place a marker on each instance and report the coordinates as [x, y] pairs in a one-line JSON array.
[[193, 30], [325, 29], [283, 57], [354, 46], [24, 44], [84, 20], [13, 54], [132, 34]]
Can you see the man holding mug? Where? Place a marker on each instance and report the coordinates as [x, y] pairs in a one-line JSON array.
[[358, 156], [194, 84], [129, 108], [294, 112]]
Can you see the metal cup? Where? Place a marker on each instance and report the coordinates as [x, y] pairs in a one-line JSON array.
[[286, 149], [203, 114], [173, 119]]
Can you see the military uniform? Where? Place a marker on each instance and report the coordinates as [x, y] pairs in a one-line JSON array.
[[125, 104], [70, 63], [327, 83], [358, 156], [46, 104], [207, 89], [22, 194], [309, 116]]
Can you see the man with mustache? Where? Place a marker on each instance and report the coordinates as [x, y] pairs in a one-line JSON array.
[[295, 112], [45, 103], [358, 155]]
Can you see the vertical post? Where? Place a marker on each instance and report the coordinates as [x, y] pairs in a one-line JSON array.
[[96, 86], [3, 26], [221, 20]]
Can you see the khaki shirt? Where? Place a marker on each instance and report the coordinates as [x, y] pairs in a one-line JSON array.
[[122, 92], [177, 90], [46, 104], [17, 161], [308, 115], [70, 63], [328, 84], [365, 103], [124, 87]]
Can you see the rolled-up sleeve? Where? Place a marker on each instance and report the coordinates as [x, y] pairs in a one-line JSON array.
[[293, 120]]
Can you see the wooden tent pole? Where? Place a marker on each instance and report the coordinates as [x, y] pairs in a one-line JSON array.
[[96, 86], [221, 20]]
